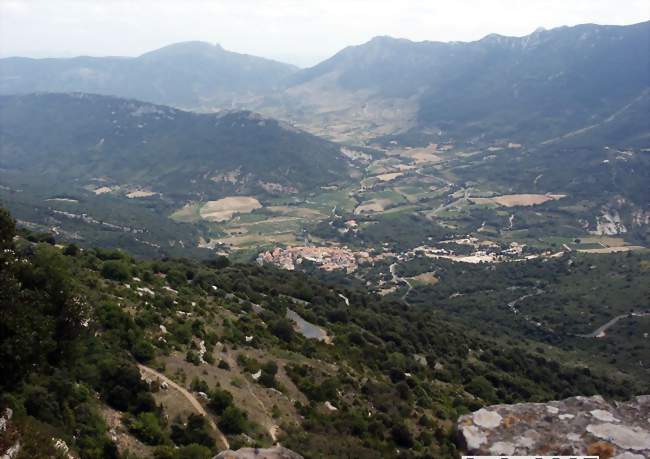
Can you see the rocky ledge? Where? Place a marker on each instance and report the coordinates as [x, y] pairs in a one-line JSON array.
[[577, 425], [276, 452]]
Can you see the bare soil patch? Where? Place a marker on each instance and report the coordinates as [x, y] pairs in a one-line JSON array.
[[224, 209], [389, 177], [373, 205], [140, 194], [425, 278], [625, 248], [513, 200]]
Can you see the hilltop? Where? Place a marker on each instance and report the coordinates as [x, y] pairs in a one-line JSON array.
[[189, 75]]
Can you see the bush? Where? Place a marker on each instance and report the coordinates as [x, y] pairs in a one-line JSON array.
[[283, 329], [199, 385], [143, 351], [481, 387], [402, 436], [233, 421], [220, 400], [193, 357], [116, 270], [196, 431], [146, 427]]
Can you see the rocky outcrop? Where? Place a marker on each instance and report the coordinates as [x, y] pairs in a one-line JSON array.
[[577, 425], [275, 452], [9, 440]]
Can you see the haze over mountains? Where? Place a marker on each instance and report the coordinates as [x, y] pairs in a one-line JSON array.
[[536, 87], [189, 75]]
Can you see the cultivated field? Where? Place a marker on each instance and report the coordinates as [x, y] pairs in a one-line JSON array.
[[514, 200], [224, 209]]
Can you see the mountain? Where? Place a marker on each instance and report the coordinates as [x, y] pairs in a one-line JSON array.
[[190, 75], [524, 89], [529, 88], [81, 136]]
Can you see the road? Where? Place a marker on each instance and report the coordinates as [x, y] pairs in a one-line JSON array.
[[600, 331], [398, 279], [151, 373]]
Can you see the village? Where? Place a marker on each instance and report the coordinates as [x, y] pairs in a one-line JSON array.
[[327, 258]]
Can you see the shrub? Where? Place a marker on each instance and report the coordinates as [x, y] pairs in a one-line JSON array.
[[146, 427], [220, 400], [143, 351], [116, 270], [233, 421], [283, 329], [196, 431]]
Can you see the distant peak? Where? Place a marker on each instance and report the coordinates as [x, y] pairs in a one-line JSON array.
[[187, 47], [379, 39]]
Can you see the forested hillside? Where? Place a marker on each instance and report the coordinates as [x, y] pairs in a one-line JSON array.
[[79, 137], [381, 377]]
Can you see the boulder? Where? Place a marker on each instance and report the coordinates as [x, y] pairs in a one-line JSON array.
[[275, 452], [577, 425]]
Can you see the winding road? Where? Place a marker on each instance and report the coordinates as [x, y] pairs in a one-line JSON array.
[[600, 331], [150, 372], [397, 279]]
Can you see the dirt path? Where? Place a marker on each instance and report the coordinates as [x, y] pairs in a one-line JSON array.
[[397, 279], [600, 331], [146, 371], [273, 429]]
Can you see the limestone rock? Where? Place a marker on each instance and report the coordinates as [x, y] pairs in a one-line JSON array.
[[577, 425], [275, 452]]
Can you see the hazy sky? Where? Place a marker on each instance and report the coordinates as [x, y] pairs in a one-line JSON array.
[[302, 32]]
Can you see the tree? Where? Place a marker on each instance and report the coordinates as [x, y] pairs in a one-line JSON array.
[[116, 270], [147, 428], [233, 421], [402, 436], [481, 387], [196, 431], [220, 400], [283, 329]]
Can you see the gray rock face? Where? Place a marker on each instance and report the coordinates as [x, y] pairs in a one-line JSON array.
[[275, 452], [577, 425]]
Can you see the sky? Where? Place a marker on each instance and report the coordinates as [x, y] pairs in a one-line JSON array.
[[301, 32]]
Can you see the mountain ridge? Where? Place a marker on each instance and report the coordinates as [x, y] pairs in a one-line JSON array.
[[187, 74]]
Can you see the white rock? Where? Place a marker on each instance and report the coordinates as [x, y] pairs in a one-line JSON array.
[[473, 437], [603, 415], [552, 409], [257, 375], [330, 407], [628, 455], [502, 447], [248, 339], [566, 416], [622, 436], [487, 419]]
